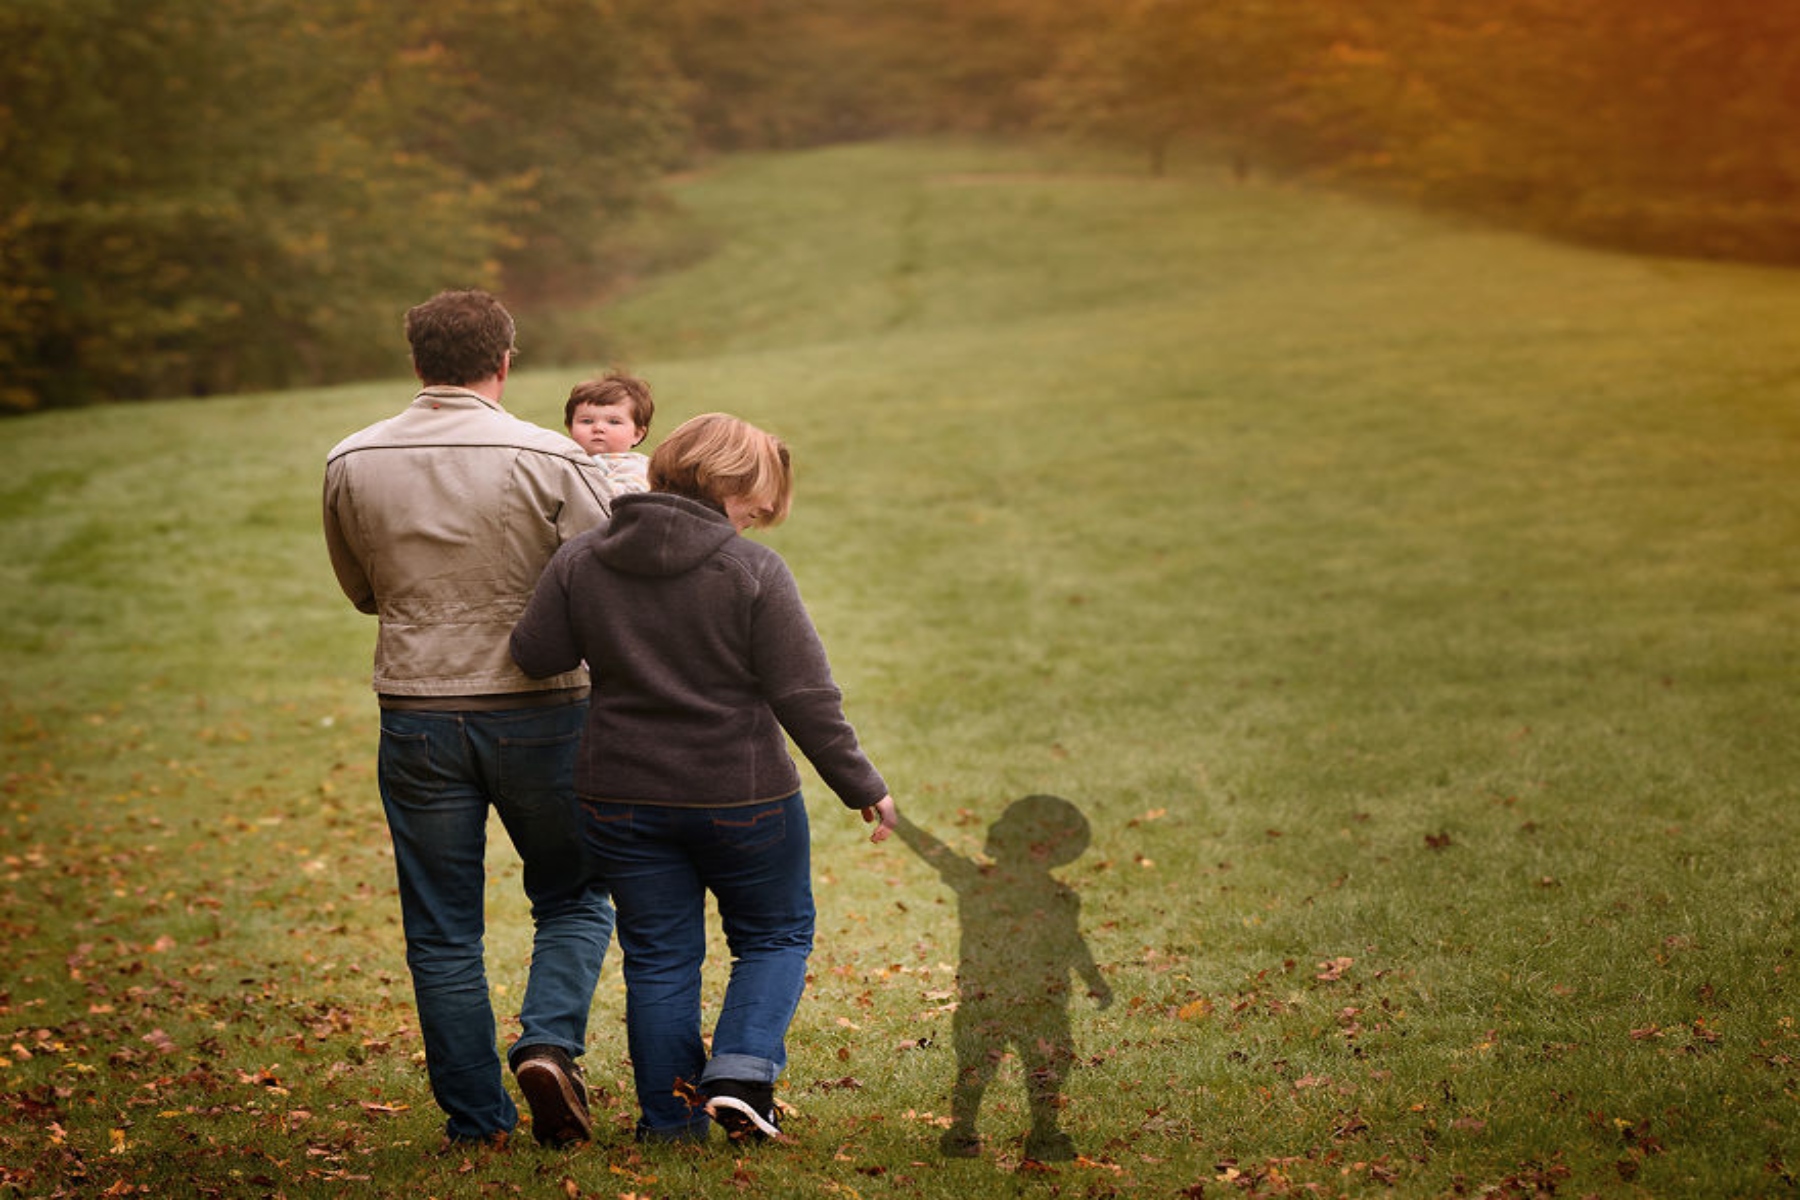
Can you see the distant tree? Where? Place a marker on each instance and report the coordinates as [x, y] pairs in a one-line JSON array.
[[1662, 126], [200, 196], [188, 210], [801, 72], [1691, 145], [213, 195], [981, 63], [572, 110], [1162, 71], [753, 71]]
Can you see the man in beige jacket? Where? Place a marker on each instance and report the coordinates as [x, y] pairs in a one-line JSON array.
[[439, 521]]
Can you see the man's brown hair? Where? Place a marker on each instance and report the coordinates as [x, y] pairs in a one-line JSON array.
[[459, 338]]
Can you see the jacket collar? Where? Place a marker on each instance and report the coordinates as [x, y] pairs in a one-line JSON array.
[[438, 394]]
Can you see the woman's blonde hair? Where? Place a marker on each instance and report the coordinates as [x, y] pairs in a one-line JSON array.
[[715, 456]]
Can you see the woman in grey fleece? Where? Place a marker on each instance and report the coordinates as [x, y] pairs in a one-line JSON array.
[[704, 663]]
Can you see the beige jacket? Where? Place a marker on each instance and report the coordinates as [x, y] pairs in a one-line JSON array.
[[439, 521]]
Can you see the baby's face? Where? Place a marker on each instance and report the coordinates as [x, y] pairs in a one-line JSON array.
[[605, 428]]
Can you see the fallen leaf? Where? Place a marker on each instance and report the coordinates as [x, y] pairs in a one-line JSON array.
[[1194, 1009], [377, 1109], [1333, 970]]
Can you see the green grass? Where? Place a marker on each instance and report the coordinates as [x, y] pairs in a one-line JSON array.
[[1382, 589]]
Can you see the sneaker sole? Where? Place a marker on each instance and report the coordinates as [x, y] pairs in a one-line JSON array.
[[738, 1108], [557, 1113]]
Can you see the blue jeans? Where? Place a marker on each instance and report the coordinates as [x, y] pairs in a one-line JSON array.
[[660, 861], [438, 773]]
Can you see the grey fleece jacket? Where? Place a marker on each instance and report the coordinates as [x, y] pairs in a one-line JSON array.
[[702, 654]]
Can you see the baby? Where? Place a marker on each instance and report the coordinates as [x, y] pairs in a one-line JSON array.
[[608, 417]]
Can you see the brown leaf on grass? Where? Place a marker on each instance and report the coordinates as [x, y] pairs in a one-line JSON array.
[[634, 1176], [927, 1118], [1333, 969], [1195, 1009], [847, 1083], [375, 1108], [1533, 1179], [1437, 841], [1637, 1135]]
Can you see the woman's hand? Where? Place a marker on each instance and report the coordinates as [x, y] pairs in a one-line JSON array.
[[884, 816]]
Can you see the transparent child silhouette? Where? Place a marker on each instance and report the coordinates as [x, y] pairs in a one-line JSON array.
[[1021, 942]]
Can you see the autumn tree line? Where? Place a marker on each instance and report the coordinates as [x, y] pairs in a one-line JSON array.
[[214, 196]]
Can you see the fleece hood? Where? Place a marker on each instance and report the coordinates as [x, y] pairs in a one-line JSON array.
[[658, 534]]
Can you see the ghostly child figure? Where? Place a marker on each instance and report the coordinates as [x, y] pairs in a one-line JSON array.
[[1021, 941]]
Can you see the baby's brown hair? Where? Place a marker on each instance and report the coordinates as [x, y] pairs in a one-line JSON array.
[[612, 388]]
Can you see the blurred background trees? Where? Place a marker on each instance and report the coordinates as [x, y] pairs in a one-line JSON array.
[[203, 196], [208, 196]]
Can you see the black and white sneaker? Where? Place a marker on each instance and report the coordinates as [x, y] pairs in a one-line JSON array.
[[556, 1094], [744, 1110]]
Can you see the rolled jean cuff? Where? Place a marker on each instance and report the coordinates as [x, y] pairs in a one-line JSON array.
[[745, 1067], [516, 1051]]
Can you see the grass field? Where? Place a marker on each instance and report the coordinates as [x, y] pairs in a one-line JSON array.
[[1410, 608]]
